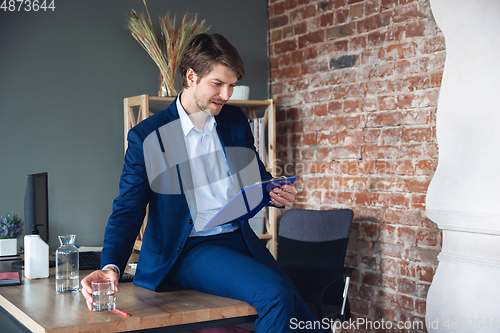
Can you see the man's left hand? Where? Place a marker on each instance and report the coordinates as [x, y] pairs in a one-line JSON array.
[[284, 195]]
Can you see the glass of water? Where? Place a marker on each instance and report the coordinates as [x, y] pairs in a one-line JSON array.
[[103, 293]]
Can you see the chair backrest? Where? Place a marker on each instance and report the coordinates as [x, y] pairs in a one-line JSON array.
[[312, 243]]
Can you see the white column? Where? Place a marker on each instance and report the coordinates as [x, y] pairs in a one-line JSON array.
[[464, 195]]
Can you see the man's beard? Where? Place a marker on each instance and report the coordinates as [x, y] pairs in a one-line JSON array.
[[206, 107]]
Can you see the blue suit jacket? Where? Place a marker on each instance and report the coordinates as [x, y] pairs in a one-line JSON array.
[[169, 217]]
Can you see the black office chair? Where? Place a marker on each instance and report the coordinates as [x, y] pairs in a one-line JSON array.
[[312, 246]]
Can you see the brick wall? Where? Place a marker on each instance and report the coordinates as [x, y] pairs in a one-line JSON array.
[[356, 84]]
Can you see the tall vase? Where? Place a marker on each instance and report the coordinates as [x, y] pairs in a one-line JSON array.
[[167, 88]]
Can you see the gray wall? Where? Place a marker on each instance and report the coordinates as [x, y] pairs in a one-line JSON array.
[[63, 77]]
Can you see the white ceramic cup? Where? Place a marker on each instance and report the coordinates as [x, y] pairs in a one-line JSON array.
[[241, 93]]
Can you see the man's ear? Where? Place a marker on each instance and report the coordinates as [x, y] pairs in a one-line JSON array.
[[191, 77]]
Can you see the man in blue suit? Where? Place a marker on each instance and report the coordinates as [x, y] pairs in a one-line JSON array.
[[186, 162]]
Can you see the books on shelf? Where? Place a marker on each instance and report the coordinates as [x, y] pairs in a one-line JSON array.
[[258, 131], [9, 278]]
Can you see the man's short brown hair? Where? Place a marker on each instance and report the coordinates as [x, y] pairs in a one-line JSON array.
[[204, 51]]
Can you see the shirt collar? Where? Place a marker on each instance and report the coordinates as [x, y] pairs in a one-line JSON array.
[[186, 122]]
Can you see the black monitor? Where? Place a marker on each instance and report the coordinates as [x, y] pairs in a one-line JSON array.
[[36, 208], [36, 205]]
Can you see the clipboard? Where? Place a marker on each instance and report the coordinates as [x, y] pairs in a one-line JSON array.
[[247, 203]]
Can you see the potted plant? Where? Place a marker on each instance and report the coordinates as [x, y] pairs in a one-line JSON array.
[[11, 227]]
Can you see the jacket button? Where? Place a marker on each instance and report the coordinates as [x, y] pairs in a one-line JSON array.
[[179, 249], [190, 221]]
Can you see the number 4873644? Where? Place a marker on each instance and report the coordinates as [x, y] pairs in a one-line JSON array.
[[27, 5]]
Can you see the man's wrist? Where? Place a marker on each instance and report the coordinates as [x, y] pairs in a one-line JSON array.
[[112, 267]]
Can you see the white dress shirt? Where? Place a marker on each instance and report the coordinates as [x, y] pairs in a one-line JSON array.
[[213, 185]]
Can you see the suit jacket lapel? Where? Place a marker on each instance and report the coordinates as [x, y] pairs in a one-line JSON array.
[[172, 137]]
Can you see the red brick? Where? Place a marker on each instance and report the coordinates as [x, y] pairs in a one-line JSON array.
[[425, 273], [407, 269], [404, 217], [314, 66], [349, 167], [406, 303], [383, 70], [341, 16], [303, 13], [298, 84], [433, 45], [425, 167], [290, 4], [344, 198], [418, 201], [318, 124], [357, 44], [388, 4], [287, 32], [279, 8], [388, 234], [278, 21], [373, 22], [350, 183], [428, 237], [384, 119], [375, 39], [285, 46], [327, 139], [326, 20], [406, 286], [340, 46], [310, 53], [276, 35], [381, 199], [389, 266], [417, 185], [340, 31], [311, 38], [356, 11], [351, 137], [398, 51], [421, 134], [350, 122], [407, 235], [372, 7], [382, 87], [420, 307], [344, 152], [386, 102], [320, 110], [372, 278], [318, 95], [395, 33], [406, 13], [367, 167], [415, 29], [300, 28], [348, 91], [362, 198]]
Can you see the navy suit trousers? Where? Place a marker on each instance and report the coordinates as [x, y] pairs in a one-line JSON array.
[[222, 265]]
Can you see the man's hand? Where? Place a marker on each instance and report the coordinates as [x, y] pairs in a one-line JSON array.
[[108, 272], [284, 195]]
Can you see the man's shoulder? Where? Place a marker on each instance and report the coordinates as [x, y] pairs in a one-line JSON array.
[[157, 120]]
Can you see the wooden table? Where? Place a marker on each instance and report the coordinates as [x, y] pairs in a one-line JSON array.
[[37, 306]]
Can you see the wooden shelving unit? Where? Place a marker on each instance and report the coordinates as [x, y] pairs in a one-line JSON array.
[[138, 108]]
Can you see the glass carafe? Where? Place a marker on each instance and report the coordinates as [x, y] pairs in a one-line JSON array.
[[67, 265]]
